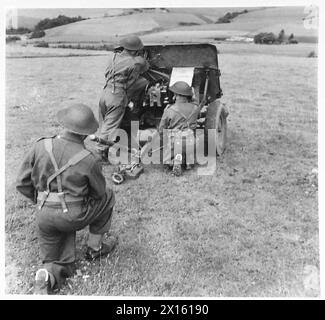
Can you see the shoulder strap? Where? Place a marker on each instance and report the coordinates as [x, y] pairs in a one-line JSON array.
[[47, 137], [73, 161], [49, 148], [193, 111], [183, 115]]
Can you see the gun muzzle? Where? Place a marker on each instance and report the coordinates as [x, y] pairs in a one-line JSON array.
[[95, 138]]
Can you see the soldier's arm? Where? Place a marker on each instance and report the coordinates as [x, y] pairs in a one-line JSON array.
[[195, 116], [142, 65], [109, 67], [164, 122], [97, 183], [24, 183]]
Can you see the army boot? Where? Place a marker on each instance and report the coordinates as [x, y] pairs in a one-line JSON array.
[[106, 247], [177, 168], [43, 282]]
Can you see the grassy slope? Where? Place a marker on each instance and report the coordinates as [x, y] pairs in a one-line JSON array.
[[106, 29], [255, 21], [248, 230]]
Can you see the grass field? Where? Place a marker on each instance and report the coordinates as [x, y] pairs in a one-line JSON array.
[[29, 51], [251, 229]]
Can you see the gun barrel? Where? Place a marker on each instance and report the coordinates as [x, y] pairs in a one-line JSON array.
[[95, 138]]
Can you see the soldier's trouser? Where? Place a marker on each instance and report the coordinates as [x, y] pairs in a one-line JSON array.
[[57, 231], [179, 145], [112, 106], [111, 111]]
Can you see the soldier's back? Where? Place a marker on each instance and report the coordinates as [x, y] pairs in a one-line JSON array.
[[183, 115], [75, 178]]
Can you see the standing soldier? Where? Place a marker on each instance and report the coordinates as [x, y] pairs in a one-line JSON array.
[[66, 181], [123, 80]]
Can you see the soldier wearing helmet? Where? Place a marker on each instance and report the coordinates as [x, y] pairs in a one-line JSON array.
[[65, 180], [123, 81], [180, 120], [176, 129]]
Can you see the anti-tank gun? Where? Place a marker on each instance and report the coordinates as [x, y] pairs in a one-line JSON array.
[[197, 64]]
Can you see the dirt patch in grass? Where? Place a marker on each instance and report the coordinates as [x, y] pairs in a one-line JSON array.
[[251, 229]]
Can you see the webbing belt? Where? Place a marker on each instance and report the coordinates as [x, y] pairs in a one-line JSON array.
[[74, 160], [54, 198], [172, 133]]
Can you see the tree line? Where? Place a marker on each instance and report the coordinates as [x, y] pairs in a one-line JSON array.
[[47, 23]]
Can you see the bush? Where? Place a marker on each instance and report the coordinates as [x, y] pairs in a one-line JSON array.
[[164, 10], [291, 39], [55, 22], [281, 36], [37, 34], [188, 24], [42, 44], [265, 38], [269, 38], [227, 18], [104, 47], [12, 39], [312, 54], [17, 31], [223, 20]]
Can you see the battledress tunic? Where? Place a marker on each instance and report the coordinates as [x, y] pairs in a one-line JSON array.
[[123, 81], [85, 181]]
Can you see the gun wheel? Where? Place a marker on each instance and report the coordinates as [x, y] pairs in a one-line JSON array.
[[216, 118]]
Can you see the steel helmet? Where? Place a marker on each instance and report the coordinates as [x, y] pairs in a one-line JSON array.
[[182, 88], [132, 43], [78, 118]]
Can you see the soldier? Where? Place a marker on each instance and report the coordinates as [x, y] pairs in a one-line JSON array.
[[66, 181], [180, 120], [123, 81]]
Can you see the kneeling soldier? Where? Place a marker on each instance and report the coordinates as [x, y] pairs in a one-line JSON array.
[[180, 120], [66, 181]]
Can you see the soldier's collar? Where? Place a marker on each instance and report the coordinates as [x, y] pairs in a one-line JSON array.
[[70, 137], [125, 53]]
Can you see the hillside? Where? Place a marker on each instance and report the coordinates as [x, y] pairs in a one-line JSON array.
[[256, 20], [28, 18], [174, 24], [106, 29]]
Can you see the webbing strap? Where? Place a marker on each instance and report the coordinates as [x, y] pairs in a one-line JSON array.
[[74, 160], [49, 149], [183, 115]]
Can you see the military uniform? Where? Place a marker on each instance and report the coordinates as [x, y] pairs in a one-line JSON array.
[[123, 81], [180, 120], [86, 199]]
